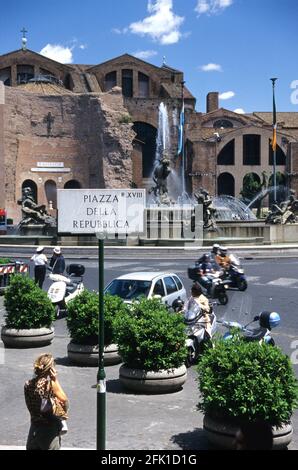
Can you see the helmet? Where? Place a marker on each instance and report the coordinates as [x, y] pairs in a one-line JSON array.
[[223, 250], [269, 320], [206, 258], [215, 248]]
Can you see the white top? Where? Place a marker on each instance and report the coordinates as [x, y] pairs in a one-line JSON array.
[[39, 259]]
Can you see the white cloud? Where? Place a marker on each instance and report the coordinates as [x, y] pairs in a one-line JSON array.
[[163, 25], [82, 47], [239, 111], [144, 54], [59, 53], [212, 7], [227, 95], [211, 68]]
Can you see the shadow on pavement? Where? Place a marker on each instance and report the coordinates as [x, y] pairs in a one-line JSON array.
[[192, 440]]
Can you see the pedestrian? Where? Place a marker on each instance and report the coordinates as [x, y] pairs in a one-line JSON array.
[[40, 261], [254, 436], [45, 430], [57, 262]]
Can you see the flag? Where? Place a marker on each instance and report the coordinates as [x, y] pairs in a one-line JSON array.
[[274, 142], [181, 131]]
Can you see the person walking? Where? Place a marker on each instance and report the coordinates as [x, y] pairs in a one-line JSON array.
[[40, 261], [57, 262], [45, 430]]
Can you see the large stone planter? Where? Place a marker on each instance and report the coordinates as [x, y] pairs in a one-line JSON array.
[[165, 381], [222, 433], [87, 355], [33, 338]]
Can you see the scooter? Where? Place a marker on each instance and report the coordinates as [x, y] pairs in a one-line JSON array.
[[65, 288], [267, 321], [197, 336], [234, 276], [218, 287]]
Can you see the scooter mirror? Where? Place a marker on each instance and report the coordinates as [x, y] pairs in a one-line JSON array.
[[257, 318]]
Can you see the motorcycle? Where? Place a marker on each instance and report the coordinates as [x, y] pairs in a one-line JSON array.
[[234, 276], [267, 321], [218, 286], [197, 336], [65, 288]]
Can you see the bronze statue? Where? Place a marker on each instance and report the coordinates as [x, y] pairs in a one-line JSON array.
[[160, 175], [33, 213], [204, 198], [285, 213]]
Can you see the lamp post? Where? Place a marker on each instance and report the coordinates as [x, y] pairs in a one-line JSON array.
[[182, 119], [274, 143]]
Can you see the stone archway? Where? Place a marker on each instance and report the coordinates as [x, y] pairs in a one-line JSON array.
[[33, 186], [72, 184], [226, 185], [51, 193], [146, 136]]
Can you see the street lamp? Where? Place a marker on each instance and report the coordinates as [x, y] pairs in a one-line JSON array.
[[274, 143]]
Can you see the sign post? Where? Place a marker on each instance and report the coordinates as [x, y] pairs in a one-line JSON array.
[[102, 212]]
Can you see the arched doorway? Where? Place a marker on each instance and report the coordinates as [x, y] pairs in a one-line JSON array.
[[146, 134], [72, 184], [51, 193], [33, 186], [226, 185], [280, 155], [251, 186], [281, 188]]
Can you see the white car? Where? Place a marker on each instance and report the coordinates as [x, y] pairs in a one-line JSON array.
[[133, 286]]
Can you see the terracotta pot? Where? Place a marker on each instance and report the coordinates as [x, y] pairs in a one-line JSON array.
[[87, 355], [165, 381], [32, 338], [221, 433]]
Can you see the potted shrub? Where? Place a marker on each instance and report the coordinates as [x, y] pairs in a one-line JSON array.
[[29, 315], [244, 382], [82, 323], [151, 343]]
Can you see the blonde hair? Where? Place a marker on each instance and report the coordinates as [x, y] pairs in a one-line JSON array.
[[43, 364]]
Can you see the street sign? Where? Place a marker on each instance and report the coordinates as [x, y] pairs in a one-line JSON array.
[[108, 211]]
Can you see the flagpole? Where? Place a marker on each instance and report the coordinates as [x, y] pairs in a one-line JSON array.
[[274, 143], [183, 149]]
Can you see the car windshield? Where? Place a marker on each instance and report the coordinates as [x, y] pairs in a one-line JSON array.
[[129, 289]]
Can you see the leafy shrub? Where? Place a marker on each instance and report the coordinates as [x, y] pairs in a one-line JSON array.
[[27, 306], [125, 119], [247, 381], [5, 260], [149, 337], [83, 321]]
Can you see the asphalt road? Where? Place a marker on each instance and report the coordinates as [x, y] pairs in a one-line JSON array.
[[162, 422]]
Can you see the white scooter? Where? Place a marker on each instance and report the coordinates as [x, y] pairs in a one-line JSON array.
[[197, 335], [65, 288]]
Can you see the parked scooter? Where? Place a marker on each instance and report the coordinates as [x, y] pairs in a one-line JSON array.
[[197, 335], [65, 288], [234, 276], [267, 321], [218, 286]]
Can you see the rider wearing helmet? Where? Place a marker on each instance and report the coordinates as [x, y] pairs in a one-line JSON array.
[[207, 272], [223, 258]]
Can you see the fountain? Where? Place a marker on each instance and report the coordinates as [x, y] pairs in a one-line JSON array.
[[35, 219]]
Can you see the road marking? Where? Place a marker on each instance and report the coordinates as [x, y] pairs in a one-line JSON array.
[[284, 282]]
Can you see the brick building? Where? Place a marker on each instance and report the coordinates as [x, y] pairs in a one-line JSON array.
[[71, 126]]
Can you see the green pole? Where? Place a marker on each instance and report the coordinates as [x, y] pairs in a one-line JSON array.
[[101, 376]]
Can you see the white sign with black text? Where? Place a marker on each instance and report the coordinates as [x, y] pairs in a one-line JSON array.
[[108, 211]]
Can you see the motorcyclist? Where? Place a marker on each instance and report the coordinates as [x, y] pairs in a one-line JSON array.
[[207, 272], [223, 259], [197, 308]]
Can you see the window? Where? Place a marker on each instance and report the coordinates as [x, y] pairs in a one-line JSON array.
[[143, 85], [5, 76], [72, 184], [280, 155], [110, 80], [147, 135], [170, 285], [227, 154], [127, 83], [24, 73], [159, 288], [251, 149], [226, 185], [51, 193], [223, 123], [178, 282]]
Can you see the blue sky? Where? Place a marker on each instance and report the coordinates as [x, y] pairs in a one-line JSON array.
[[230, 46]]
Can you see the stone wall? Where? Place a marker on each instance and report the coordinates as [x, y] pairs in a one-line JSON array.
[[85, 134]]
